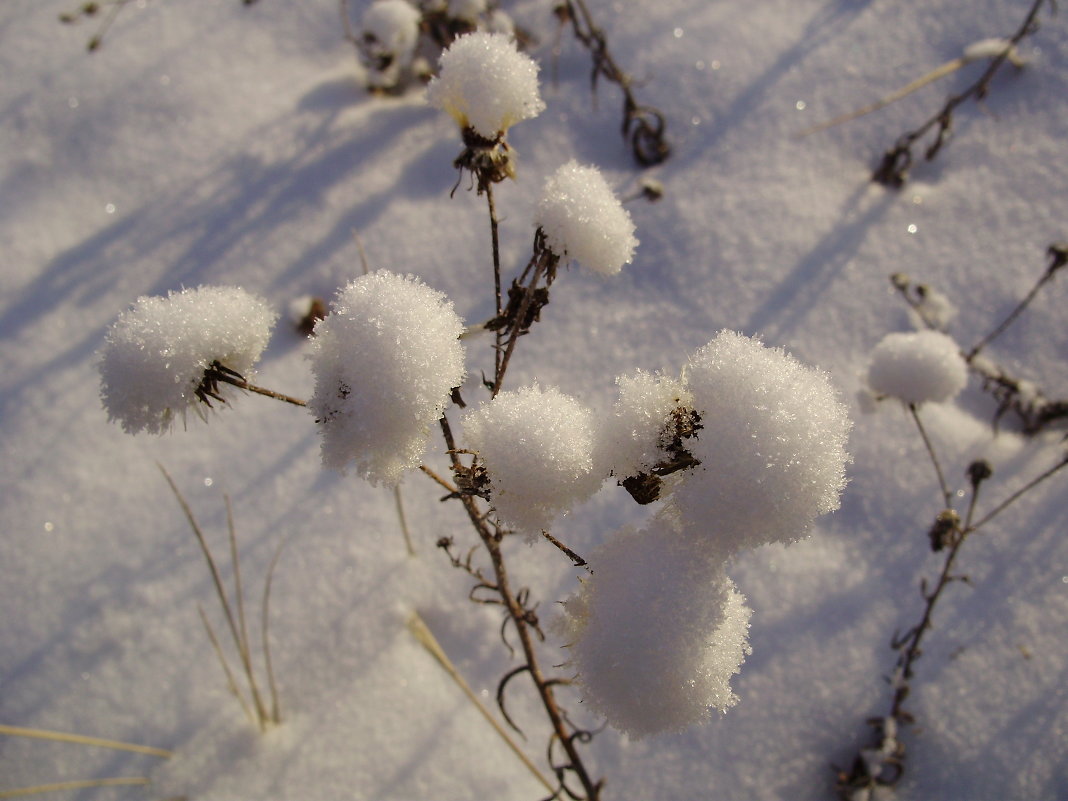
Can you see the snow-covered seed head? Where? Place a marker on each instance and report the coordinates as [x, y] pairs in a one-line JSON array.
[[486, 84], [155, 355], [656, 632], [390, 35], [917, 367], [537, 447], [583, 220], [385, 361], [634, 438], [771, 447]]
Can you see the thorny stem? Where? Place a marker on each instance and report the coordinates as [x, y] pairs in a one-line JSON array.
[[893, 169], [947, 496], [491, 536]]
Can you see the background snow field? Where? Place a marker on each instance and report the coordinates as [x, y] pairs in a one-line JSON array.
[[209, 143]]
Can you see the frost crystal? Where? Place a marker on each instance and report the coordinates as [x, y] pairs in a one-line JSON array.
[[583, 220], [385, 361], [155, 354], [917, 367], [632, 439], [537, 448], [658, 632], [771, 447], [486, 84]]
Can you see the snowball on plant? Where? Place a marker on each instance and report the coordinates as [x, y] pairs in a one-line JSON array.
[[385, 361], [771, 446], [486, 84], [537, 448], [634, 438], [917, 367], [156, 353], [656, 632], [582, 219], [390, 35]]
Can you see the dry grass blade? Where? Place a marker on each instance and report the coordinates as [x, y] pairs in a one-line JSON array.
[[426, 638], [231, 683], [120, 781], [81, 739]]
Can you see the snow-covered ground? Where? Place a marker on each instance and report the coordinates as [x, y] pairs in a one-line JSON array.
[[212, 143]]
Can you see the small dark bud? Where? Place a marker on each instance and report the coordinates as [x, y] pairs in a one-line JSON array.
[[943, 529], [1058, 252], [979, 471], [652, 190], [644, 488], [93, 44], [89, 9], [901, 281], [67, 18]]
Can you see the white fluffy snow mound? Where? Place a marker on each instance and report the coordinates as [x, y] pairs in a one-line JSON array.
[[582, 219], [486, 84], [537, 447], [394, 24], [156, 352], [771, 447], [385, 361], [658, 630], [917, 367]]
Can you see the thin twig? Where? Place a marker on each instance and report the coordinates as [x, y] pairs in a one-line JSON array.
[[1001, 507], [272, 685], [947, 496]]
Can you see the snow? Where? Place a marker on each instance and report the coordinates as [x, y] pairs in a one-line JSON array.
[[917, 367], [486, 84], [582, 220], [219, 144], [385, 361], [537, 446], [155, 354]]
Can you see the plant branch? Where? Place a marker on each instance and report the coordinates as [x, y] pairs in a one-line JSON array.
[[947, 496]]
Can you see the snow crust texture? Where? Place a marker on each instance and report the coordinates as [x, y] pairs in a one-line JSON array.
[[486, 84], [582, 219], [385, 361], [537, 446], [156, 352], [917, 367]]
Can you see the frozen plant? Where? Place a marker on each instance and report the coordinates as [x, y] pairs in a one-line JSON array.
[[486, 84], [166, 355], [771, 448], [537, 449], [656, 632], [917, 367], [582, 219], [385, 361], [390, 35], [636, 436]]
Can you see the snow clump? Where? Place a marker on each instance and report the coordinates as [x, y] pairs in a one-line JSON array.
[[537, 447], [582, 219], [385, 361], [156, 352], [634, 438], [657, 632], [771, 447], [486, 84], [917, 367], [390, 36]]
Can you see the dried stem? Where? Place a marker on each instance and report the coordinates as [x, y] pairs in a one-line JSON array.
[[947, 496], [894, 166], [121, 781], [81, 739], [643, 126]]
